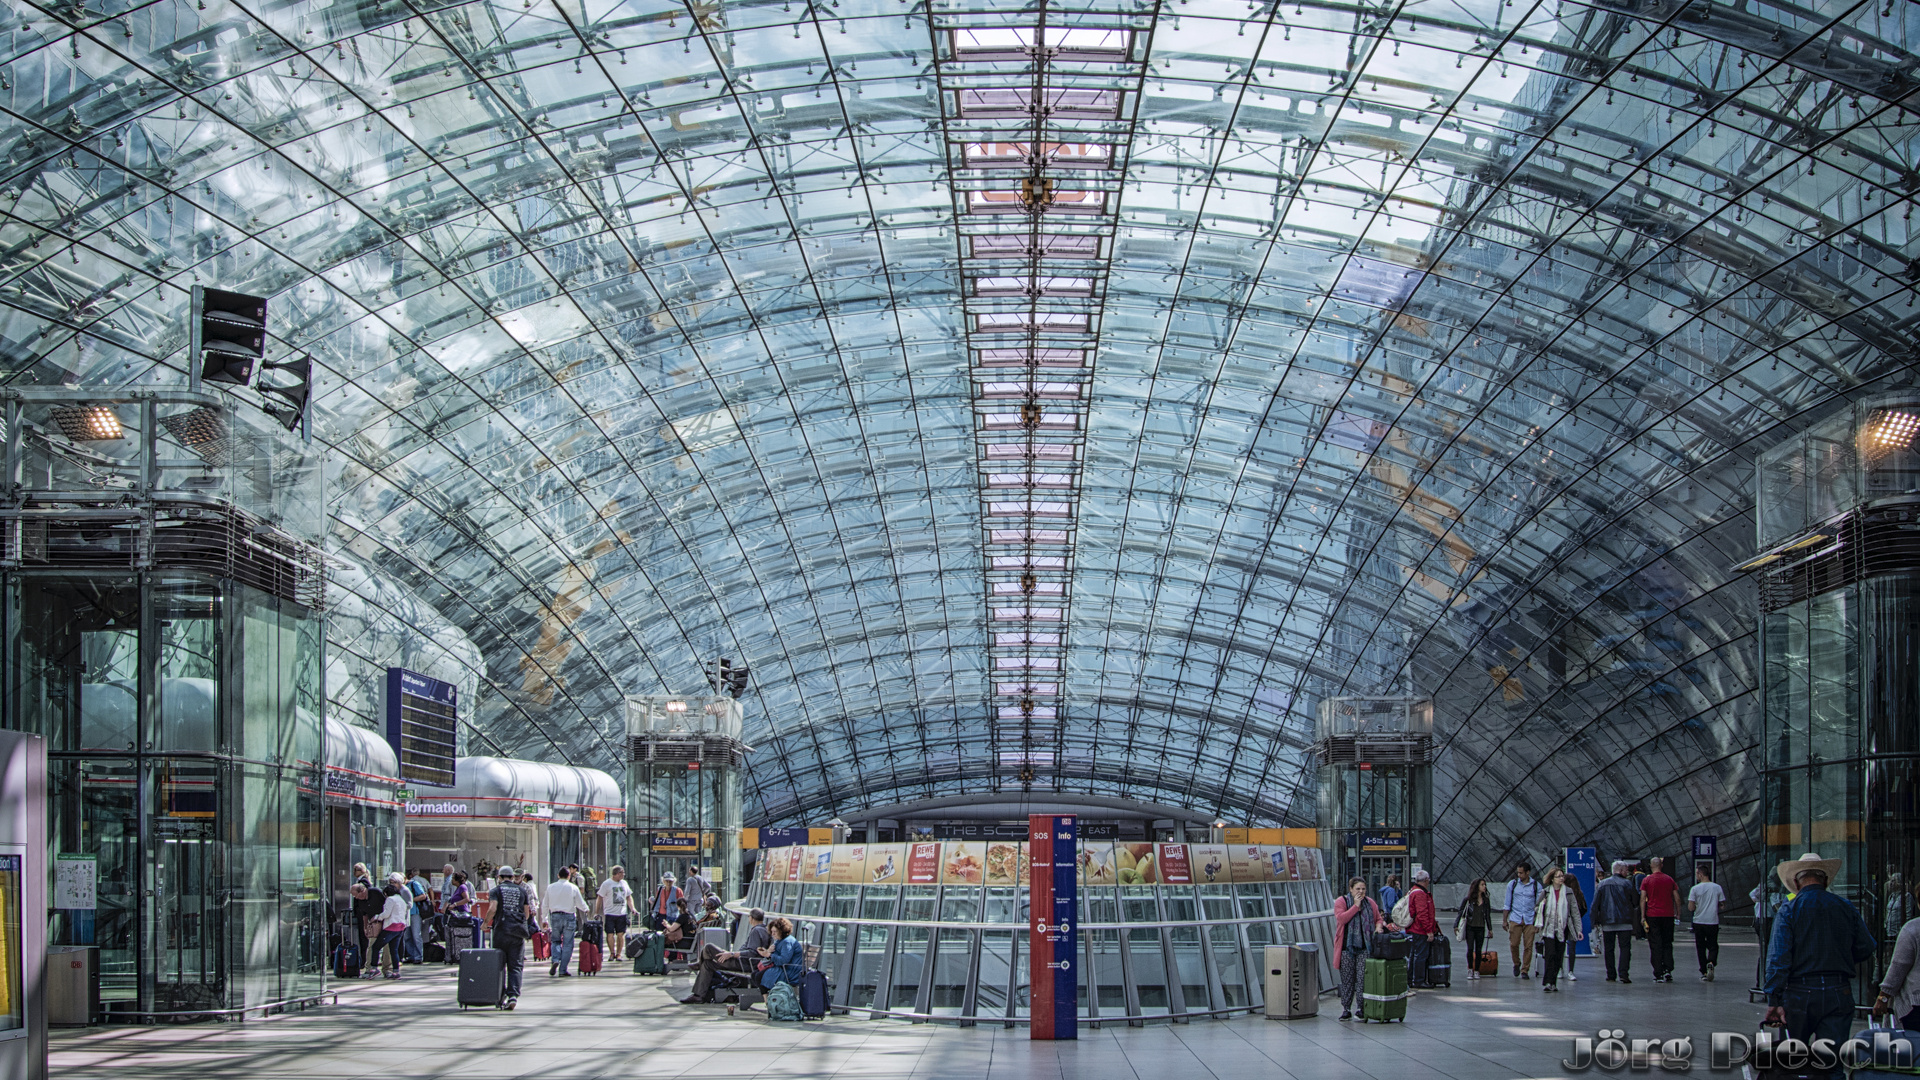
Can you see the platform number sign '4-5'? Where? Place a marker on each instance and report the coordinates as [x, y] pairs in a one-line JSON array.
[[1054, 938]]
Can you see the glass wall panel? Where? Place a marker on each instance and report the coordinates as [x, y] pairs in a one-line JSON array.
[[92, 814], [952, 965], [1139, 904], [1103, 953], [996, 973], [184, 965], [1253, 905], [72, 666], [1833, 676], [918, 903], [1786, 680], [1225, 941], [870, 954], [188, 632], [1190, 965]]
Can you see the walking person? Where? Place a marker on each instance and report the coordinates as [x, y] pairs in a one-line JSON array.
[[1900, 989], [1390, 894], [698, 888], [513, 906], [395, 903], [612, 902], [1660, 905], [1819, 940], [1704, 901], [562, 905], [1557, 918], [1580, 903], [1424, 927], [1356, 919], [1473, 924], [1616, 911], [1523, 895]]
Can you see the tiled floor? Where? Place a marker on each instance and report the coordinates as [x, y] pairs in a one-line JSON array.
[[620, 1025]]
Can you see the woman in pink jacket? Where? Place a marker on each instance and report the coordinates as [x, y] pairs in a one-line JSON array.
[[1356, 919]]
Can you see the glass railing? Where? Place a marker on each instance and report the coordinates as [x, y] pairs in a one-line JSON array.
[[957, 952]]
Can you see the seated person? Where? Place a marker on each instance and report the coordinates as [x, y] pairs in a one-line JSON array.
[[713, 960], [680, 929], [785, 961], [714, 916]]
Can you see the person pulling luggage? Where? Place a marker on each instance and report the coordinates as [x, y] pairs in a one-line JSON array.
[[563, 906], [1356, 919], [513, 907], [1819, 940]]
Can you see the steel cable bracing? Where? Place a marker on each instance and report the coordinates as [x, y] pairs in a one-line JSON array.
[[1060, 399]]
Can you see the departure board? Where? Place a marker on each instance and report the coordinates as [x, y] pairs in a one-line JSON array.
[[423, 721]]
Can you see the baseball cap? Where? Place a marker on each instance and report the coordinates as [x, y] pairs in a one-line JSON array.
[[505, 871]]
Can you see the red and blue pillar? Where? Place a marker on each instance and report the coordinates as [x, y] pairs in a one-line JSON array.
[[1053, 934]]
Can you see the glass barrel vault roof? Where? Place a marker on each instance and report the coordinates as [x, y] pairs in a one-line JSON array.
[[1413, 348]]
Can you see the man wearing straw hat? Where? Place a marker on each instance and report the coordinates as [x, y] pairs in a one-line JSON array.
[[1818, 942]]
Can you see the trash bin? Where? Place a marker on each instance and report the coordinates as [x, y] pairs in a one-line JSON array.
[[1293, 981], [73, 985]]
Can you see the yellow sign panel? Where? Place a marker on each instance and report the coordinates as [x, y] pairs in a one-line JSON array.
[[816, 837], [749, 839]]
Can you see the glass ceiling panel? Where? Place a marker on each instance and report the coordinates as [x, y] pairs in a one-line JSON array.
[[1362, 351]]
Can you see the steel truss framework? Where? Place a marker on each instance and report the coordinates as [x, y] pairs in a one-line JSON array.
[[1305, 347]]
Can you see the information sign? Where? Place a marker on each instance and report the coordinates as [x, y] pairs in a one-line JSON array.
[[1055, 933], [423, 722]]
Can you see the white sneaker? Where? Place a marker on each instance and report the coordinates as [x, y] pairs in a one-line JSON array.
[[1572, 976]]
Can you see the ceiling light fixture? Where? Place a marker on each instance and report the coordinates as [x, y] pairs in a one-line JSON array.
[[88, 423]]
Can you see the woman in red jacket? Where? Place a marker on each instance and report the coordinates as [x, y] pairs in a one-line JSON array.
[[1424, 928]]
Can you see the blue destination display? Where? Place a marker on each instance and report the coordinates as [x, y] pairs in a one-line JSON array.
[[423, 721]]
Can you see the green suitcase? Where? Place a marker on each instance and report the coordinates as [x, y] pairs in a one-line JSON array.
[[1383, 991]]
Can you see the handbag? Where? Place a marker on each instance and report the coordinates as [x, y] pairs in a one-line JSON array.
[[370, 927]]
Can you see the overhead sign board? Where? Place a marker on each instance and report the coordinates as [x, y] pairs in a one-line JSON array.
[[423, 726], [674, 843]]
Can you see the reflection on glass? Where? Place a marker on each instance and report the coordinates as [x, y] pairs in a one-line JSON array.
[[953, 961], [1226, 960], [13, 1000], [917, 904], [996, 973]]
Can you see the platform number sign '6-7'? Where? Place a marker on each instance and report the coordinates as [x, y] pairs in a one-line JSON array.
[[1053, 940]]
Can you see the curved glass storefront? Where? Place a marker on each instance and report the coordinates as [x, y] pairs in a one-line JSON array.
[[937, 935]]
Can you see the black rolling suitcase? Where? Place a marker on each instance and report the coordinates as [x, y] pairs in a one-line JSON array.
[[483, 977], [1439, 962], [461, 936]]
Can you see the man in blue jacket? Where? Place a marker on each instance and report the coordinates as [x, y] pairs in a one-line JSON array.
[[1818, 942]]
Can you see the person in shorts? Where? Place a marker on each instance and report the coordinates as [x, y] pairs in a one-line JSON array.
[[614, 905]]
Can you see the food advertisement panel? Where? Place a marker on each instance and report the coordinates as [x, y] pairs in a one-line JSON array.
[[795, 855], [964, 862], [886, 864], [1209, 862], [1096, 863], [923, 864], [849, 864], [773, 865], [1173, 864], [819, 863], [1004, 858], [1247, 863], [1134, 863]]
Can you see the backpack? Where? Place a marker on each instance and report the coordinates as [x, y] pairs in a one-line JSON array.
[[782, 1002], [1403, 910]]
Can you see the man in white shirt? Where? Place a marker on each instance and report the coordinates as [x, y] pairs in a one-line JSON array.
[[1704, 901], [562, 904], [615, 895]]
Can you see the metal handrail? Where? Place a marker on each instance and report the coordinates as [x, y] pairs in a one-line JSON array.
[[241, 1012], [741, 908]]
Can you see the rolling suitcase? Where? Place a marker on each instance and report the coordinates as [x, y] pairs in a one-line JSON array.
[[651, 959], [346, 961], [1440, 962], [1383, 991], [460, 937], [483, 977], [589, 958], [542, 945], [1489, 964], [1902, 1046], [813, 994], [591, 933]]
